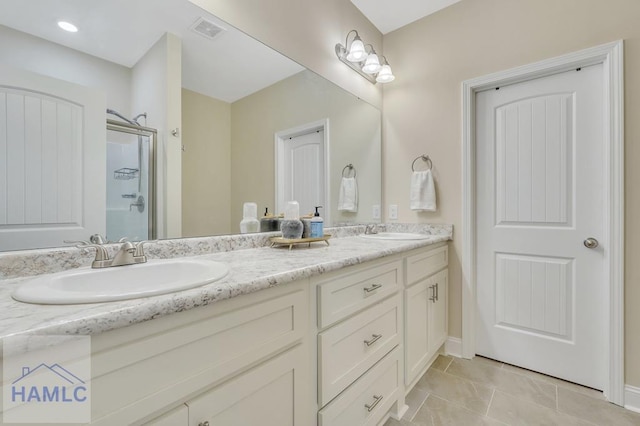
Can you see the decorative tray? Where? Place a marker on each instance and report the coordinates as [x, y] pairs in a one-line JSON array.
[[279, 241]]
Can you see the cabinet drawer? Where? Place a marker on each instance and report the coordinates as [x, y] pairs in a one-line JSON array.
[[349, 349], [422, 265], [357, 405], [342, 295]]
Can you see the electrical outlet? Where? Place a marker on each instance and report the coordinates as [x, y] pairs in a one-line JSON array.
[[393, 212], [375, 214]]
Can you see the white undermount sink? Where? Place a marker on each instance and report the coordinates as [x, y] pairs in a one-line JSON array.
[[86, 285], [399, 236]]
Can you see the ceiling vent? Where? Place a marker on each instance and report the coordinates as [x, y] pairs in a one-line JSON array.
[[206, 28]]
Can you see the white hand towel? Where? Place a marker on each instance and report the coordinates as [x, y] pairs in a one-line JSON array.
[[423, 192], [348, 198]]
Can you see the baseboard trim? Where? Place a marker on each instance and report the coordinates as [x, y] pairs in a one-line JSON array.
[[402, 411], [632, 398], [453, 347]]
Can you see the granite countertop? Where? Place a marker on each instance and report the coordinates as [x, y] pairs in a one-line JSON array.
[[250, 270]]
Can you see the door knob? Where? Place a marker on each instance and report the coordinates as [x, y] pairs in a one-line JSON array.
[[591, 243]]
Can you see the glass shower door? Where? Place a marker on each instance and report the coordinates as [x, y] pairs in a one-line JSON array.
[[130, 182]]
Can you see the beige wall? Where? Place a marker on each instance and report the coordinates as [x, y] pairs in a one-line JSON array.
[[354, 137], [206, 165], [307, 32], [422, 108], [156, 82]]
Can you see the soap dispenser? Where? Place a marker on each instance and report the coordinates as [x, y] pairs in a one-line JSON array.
[[249, 222], [269, 222], [291, 226], [317, 225]]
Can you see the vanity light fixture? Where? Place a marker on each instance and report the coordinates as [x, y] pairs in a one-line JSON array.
[[68, 26], [364, 62]]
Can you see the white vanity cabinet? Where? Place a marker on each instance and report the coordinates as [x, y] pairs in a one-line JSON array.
[[247, 356], [425, 303], [340, 348]]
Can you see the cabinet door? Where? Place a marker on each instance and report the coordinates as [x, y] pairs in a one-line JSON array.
[[416, 328], [438, 311], [274, 393], [176, 417]]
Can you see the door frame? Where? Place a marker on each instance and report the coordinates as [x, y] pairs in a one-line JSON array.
[[280, 138], [610, 55]]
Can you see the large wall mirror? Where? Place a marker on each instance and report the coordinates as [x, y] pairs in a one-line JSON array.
[[202, 118]]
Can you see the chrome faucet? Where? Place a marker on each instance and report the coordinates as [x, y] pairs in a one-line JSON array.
[[129, 253], [97, 239], [371, 229]]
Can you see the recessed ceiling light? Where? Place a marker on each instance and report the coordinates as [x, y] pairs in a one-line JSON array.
[[68, 26]]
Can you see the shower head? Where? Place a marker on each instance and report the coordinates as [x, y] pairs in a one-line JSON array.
[[133, 121]]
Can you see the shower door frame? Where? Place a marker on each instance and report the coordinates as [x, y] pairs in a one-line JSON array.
[[152, 134]]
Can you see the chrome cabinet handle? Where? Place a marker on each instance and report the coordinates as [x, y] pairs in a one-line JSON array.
[[376, 337], [377, 399], [203, 424], [373, 287], [434, 293], [591, 243]]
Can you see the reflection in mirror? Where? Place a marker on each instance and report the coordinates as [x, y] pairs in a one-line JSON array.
[[235, 121], [130, 181]]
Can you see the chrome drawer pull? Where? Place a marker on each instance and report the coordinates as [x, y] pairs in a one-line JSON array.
[[433, 293], [376, 337], [203, 424], [437, 293], [373, 287], [377, 399]]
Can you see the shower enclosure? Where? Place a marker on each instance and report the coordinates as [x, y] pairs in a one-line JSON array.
[[130, 180]]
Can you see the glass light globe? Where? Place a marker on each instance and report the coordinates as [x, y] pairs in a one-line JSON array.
[[385, 75], [372, 64], [356, 51]]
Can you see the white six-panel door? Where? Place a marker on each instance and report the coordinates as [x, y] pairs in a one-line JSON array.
[[540, 290]]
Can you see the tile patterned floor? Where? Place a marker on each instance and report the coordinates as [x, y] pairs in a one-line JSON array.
[[459, 392]]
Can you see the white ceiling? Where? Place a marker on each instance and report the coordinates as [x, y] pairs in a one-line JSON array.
[[122, 31], [389, 15]]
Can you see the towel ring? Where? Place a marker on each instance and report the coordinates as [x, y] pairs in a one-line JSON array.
[[350, 167], [424, 158]]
